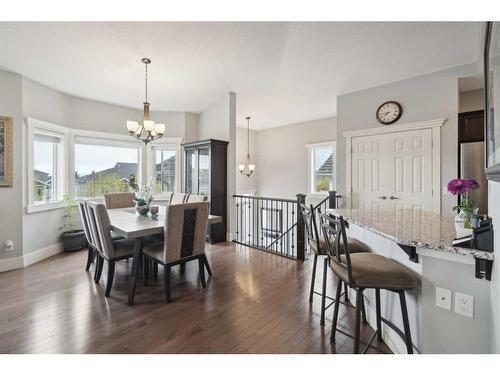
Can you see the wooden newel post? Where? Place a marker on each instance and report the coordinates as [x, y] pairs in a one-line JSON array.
[[301, 244], [332, 199]]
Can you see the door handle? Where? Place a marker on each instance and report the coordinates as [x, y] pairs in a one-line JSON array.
[[382, 197], [392, 197]]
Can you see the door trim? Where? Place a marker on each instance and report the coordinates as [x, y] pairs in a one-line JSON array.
[[434, 125]]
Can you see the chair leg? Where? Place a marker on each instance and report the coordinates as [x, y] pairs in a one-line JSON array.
[[336, 309], [323, 292], [166, 278], [346, 293], [111, 275], [147, 264], [98, 269], [207, 265], [183, 268], [363, 311], [90, 258], [201, 266], [406, 323], [379, 315], [313, 277], [155, 270], [357, 325]]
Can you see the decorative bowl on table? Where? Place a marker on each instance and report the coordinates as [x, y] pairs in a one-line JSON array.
[[142, 209]]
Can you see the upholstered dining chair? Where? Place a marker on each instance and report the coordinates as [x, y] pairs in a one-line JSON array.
[[197, 198], [184, 241], [317, 245], [86, 230], [178, 198], [119, 200], [106, 249], [363, 271]]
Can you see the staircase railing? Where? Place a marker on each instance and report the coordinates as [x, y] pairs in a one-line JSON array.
[[275, 224]]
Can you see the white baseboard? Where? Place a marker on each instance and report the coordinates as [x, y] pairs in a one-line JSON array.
[[31, 258], [229, 237]]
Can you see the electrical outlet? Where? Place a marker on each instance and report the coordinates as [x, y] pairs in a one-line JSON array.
[[464, 304], [443, 298], [9, 245]]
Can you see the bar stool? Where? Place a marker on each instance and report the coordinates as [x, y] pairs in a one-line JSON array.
[[318, 247], [366, 271]]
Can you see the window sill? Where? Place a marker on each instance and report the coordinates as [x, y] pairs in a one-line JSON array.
[[38, 207]]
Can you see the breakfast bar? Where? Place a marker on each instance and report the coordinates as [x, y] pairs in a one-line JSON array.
[[424, 242]]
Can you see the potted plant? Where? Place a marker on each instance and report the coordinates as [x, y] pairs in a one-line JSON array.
[[465, 209], [143, 199], [72, 238]]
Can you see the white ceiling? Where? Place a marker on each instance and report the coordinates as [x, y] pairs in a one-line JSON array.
[[281, 72]]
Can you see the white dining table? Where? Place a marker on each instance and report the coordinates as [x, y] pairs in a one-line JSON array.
[[127, 223]]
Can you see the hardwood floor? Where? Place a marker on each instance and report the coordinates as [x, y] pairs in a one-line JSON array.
[[255, 303]]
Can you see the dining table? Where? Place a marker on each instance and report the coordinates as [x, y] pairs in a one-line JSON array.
[[127, 223]]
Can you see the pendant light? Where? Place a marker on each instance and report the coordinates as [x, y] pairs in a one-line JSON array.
[[146, 131], [247, 168]]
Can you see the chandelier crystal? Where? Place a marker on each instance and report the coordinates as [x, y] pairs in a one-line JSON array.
[[247, 168], [148, 130]]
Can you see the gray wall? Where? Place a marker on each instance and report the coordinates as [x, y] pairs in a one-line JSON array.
[[11, 203], [282, 157], [424, 98]]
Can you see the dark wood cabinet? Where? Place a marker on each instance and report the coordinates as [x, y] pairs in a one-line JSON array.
[[471, 126], [205, 172]]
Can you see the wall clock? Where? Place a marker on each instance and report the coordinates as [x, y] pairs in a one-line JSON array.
[[389, 112]]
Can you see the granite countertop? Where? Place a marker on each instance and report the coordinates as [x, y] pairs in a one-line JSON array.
[[413, 228]]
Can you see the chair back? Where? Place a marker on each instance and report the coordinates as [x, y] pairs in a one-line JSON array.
[[119, 200], [178, 198], [94, 236], [167, 196], [83, 217], [334, 232], [310, 227], [197, 198], [99, 219], [185, 230]]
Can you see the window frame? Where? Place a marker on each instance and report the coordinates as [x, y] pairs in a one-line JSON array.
[[168, 143], [311, 147], [61, 167], [102, 139]]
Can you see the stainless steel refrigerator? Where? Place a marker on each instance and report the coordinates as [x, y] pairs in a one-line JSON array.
[[472, 166]]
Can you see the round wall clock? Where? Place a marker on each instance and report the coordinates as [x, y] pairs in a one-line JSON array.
[[389, 112]]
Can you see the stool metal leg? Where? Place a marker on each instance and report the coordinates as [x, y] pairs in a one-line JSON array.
[[323, 292], [357, 327], [363, 311], [313, 277], [406, 323], [336, 309], [379, 315], [346, 293]]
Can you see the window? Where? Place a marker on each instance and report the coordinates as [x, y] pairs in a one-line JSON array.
[[164, 169], [47, 169], [321, 167], [164, 165], [104, 165]]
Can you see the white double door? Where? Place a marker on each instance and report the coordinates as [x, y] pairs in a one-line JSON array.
[[392, 170]]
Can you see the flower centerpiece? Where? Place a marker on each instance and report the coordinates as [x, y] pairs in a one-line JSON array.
[[465, 209], [143, 195]]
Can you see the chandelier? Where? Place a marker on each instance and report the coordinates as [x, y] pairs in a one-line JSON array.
[[146, 131], [247, 168]]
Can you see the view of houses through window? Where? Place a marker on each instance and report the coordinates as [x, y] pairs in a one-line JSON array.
[[323, 168], [165, 170], [44, 168]]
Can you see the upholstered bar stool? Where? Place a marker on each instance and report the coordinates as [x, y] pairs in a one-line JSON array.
[[363, 271], [317, 245]]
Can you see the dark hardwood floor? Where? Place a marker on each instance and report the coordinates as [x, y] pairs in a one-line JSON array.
[[255, 303]]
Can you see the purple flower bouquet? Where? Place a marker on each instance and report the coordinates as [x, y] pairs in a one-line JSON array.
[[462, 187]]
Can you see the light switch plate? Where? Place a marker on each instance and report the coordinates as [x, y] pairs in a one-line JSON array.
[[464, 304], [443, 298]]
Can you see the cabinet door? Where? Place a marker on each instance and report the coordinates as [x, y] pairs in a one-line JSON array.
[[191, 179], [204, 171]]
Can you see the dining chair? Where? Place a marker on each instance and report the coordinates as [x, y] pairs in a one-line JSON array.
[[363, 271], [119, 200], [178, 198], [197, 198], [86, 230], [317, 244], [184, 241], [106, 249]]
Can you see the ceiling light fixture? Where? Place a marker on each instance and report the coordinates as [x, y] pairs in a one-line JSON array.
[[147, 131], [247, 168]]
